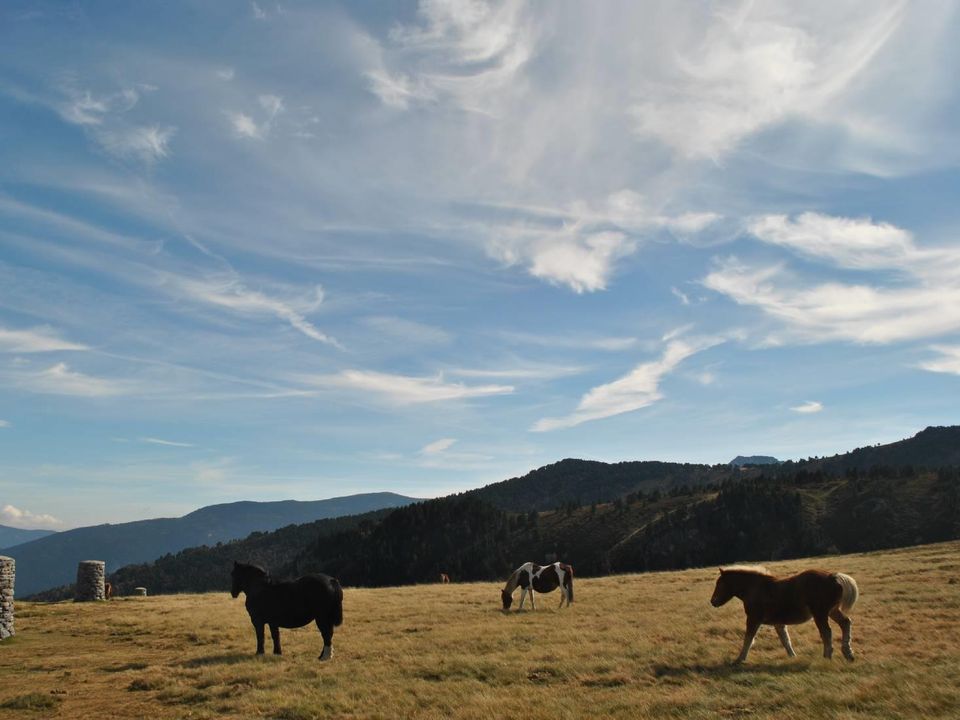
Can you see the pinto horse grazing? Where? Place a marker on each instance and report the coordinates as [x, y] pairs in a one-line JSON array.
[[444, 578], [543, 579], [790, 600], [289, 604]]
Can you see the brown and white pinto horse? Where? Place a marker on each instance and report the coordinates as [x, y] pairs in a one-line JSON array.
[[444, 578], [547, 578], [790, 600]]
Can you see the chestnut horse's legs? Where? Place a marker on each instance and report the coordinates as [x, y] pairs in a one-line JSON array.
[[326, 630], [752, 627], [845, 623], [785, 640], [258, 628], [826, 634], [275, 634]]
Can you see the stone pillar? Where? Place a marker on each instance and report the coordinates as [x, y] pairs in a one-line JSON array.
[[8, 573], [90, 575]]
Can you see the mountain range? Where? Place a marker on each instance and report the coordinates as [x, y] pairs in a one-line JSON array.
[[52, 560], [615, 517], [11, 536]]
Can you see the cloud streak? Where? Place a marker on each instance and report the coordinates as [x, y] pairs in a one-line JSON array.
[[405, 389], [635, 390]]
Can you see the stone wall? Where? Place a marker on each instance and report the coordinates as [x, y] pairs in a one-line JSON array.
[[7, 576], [90, 577]]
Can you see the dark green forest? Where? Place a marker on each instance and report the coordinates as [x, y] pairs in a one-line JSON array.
[[627, 517]]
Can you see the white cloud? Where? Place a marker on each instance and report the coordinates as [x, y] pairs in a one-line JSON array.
[[168, 443], [15, 517], [257, 12], [4, 423], [226, 74], [580, 246], [232, 295], [525, 371], [35, 340], [405, 389], [463, 50], [59, 379], [243, 125], [948, 362], [756, 66], [811, 406], [914, 298], [246, 126], [147, 144], [638, 389], [438, 446]]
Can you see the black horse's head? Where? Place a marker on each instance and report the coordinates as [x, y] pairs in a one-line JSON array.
[[243, 575], [507, 599]]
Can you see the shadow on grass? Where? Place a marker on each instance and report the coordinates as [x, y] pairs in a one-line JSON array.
[[222, 659], [728, 669]]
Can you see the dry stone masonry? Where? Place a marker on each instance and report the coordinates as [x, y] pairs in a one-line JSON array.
[[7, 576], [90, 577]]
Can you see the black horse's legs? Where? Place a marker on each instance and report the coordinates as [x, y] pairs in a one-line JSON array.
[[326, 630], [275, 634], [844, 622], [826, 634], [258, 627]]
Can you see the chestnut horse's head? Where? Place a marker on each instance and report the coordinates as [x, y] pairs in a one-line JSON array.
[[723, 590]]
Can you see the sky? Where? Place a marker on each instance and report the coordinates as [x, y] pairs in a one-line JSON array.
[[261, 251]]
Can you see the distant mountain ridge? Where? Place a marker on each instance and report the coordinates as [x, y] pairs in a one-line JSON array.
[[629, 516], [741, 460], [52, 560], [11, 536]]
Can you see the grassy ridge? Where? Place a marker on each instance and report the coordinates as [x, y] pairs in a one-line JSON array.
[[632, 646]]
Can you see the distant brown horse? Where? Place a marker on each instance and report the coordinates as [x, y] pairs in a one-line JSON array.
[[107, 591], [790, 600], [444, 578], [530, 577]]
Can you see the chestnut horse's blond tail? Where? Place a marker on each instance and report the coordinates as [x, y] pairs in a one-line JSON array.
[[850, 592]]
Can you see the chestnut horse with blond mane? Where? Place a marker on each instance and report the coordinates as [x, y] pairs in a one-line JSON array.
[[790, 600], [529, 577]]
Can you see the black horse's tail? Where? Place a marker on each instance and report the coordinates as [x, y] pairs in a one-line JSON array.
[[337, 602]]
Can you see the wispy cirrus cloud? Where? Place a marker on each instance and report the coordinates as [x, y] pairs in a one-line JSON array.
[[404, 389], [59, 379], [166, 443], [35, 340], [915, 298], [232, 295], [635, 390], [27, 520], [808, 408], [948, 362], [4, 423], [245, 126], [437, 446], [465, 52]]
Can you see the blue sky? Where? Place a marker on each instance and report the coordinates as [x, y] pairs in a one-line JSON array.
[[265, 251]]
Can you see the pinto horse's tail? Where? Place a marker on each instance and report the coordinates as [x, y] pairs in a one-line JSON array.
[[568, 582], [849, 592], [337, 602]]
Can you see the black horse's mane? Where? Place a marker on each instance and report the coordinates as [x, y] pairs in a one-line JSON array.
[[257, 568]]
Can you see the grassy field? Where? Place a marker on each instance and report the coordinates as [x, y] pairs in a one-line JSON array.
[[631, 646]]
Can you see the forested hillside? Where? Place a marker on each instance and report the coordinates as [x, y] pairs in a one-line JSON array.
[[689, 515]]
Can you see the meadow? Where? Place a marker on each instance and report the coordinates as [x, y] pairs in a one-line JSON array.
[[632, 646]]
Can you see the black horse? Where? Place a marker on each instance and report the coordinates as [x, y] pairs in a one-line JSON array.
[[289, 604]]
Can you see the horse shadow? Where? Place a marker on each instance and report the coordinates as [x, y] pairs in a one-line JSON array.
[[221, 659], [727, 669]]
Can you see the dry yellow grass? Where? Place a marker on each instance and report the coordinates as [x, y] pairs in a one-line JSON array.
[[630, 647]]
